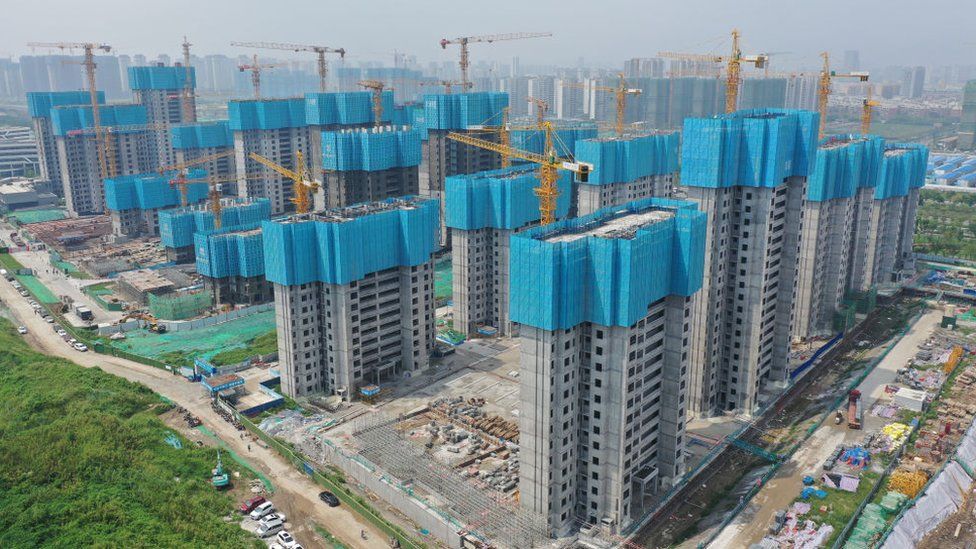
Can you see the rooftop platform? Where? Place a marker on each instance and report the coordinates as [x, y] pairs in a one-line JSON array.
[[622, 227]]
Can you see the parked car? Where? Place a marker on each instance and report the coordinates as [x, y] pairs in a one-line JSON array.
[[24, 293], [61, 332], [285, 538], [79, 346], [48, 319], [21, 330], [329, 498], [261, 510], [270, 528], [277, 515], [250, 504]]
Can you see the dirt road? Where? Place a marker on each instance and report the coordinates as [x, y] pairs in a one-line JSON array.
[[294, 491]]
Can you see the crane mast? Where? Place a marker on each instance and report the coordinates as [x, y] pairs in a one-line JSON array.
[[376, 87], [465, 40], [621, 92], [320, 51], [256, 67], [301, 176], [824, 89], [189, 114]]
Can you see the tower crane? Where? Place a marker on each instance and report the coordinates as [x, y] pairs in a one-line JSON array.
[[180, 180], [866, 112], [105, 151], [549, 163], [823, 91], [255, 67], [377, 88], [189, 113], [541, 107], [303, 183], [214, 195], [320, 51], [621, 91], [448, 85], [465, 40], [734, 61]]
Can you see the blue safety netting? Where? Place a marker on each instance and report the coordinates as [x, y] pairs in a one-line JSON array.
[[39, 104], [159, 78], [560, 278], [461, 110], [176, 226], [344, 108], [266, 114], [564, 140], [410, 114], [151, 191], [338, 252], [902, 169], [230, 252], [69, 119], [370, 150], [202, 135], [845, 163], [500, 199], [754, 148], [624, 159]]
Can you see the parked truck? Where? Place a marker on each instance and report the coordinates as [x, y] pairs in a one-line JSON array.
[[84, 313], [855, 410]]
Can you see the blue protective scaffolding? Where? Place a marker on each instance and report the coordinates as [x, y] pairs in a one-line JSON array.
[[370, 150], [39, 104], [564, 142], [340, 246], [68, 119], [462, 110], [754, 148], [230, 252], [160, 78], [410, 114], [845, 163], [266, 114], [344, 108], [202, 135], [902, 169], [151, 191], [560, 277], [500, 199], [625, 159], [177, 226]]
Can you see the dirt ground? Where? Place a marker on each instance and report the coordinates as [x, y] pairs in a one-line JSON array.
[[944, 537]]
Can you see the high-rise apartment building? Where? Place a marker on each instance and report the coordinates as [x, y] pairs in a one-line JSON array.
[[178, 225], [231, 262], [626, 168], [354, 294], [134, 201], [967, 126], [747, 171], [39, 105], [367, 165], [191, 142], [913, 82], [160, 90], [603, 303]]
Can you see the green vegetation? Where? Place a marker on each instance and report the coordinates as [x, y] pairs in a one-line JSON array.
[[261, 345], [9, 262], [840, 505], [946, 224], [83, 462]]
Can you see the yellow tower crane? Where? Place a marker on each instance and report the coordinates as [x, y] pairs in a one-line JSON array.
[[541, 107], [303, 183], [549, 163], [320, 51], [186, 100], [733, 70], [465, 40], [105, 150], [377, 88], [180, 180], [621, 92], [215, 194], [823, 90], [866, 112], [256, 67]]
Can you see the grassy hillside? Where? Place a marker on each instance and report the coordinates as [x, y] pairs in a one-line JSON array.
[[83, 462]]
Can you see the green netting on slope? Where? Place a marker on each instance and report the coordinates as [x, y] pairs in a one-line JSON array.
[[39, 290], [37, 216], [443, 279], [179, 307], [204, 342]]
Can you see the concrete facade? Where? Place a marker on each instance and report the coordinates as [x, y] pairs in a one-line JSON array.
[[882, 251], [590, 198], [344, 188], [240, 290], [480, 283], [84, 191], [277, 145]]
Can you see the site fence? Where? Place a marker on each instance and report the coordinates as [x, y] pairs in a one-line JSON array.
[[784, 457], [334, 485]]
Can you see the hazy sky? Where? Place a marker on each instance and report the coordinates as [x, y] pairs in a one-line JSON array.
[[604, 32]]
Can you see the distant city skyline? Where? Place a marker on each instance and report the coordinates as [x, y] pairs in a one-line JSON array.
[[603, 34]]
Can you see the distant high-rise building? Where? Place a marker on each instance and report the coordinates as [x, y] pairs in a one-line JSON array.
[[516, 68], [801, 92], [967, 126], [913, 82], [852, 60], [568, 101], [160, 90], [641, 67], [542, 88]]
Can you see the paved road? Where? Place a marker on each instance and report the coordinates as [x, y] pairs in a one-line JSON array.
[[753, 522], [290, 484]]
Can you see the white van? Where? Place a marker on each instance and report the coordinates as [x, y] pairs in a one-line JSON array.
[[262, 510]]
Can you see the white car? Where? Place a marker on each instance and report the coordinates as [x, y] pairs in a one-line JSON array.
[[271, 528], [61, 332], [285, 539], [277, 515], [49, 320], [79, 346], [21, 330], [261, 510]]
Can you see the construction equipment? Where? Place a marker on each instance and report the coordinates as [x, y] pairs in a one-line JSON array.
[[186, 100], [855, 409], [320, 51], [303, 183], [215, 194], [180, 180], [733, 70], [549, 163], [377, 88], [218, 477], [255, 67], [465, 40], [105, 150], [541, 107], [823, 91], [621, 92], [867, 105]]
